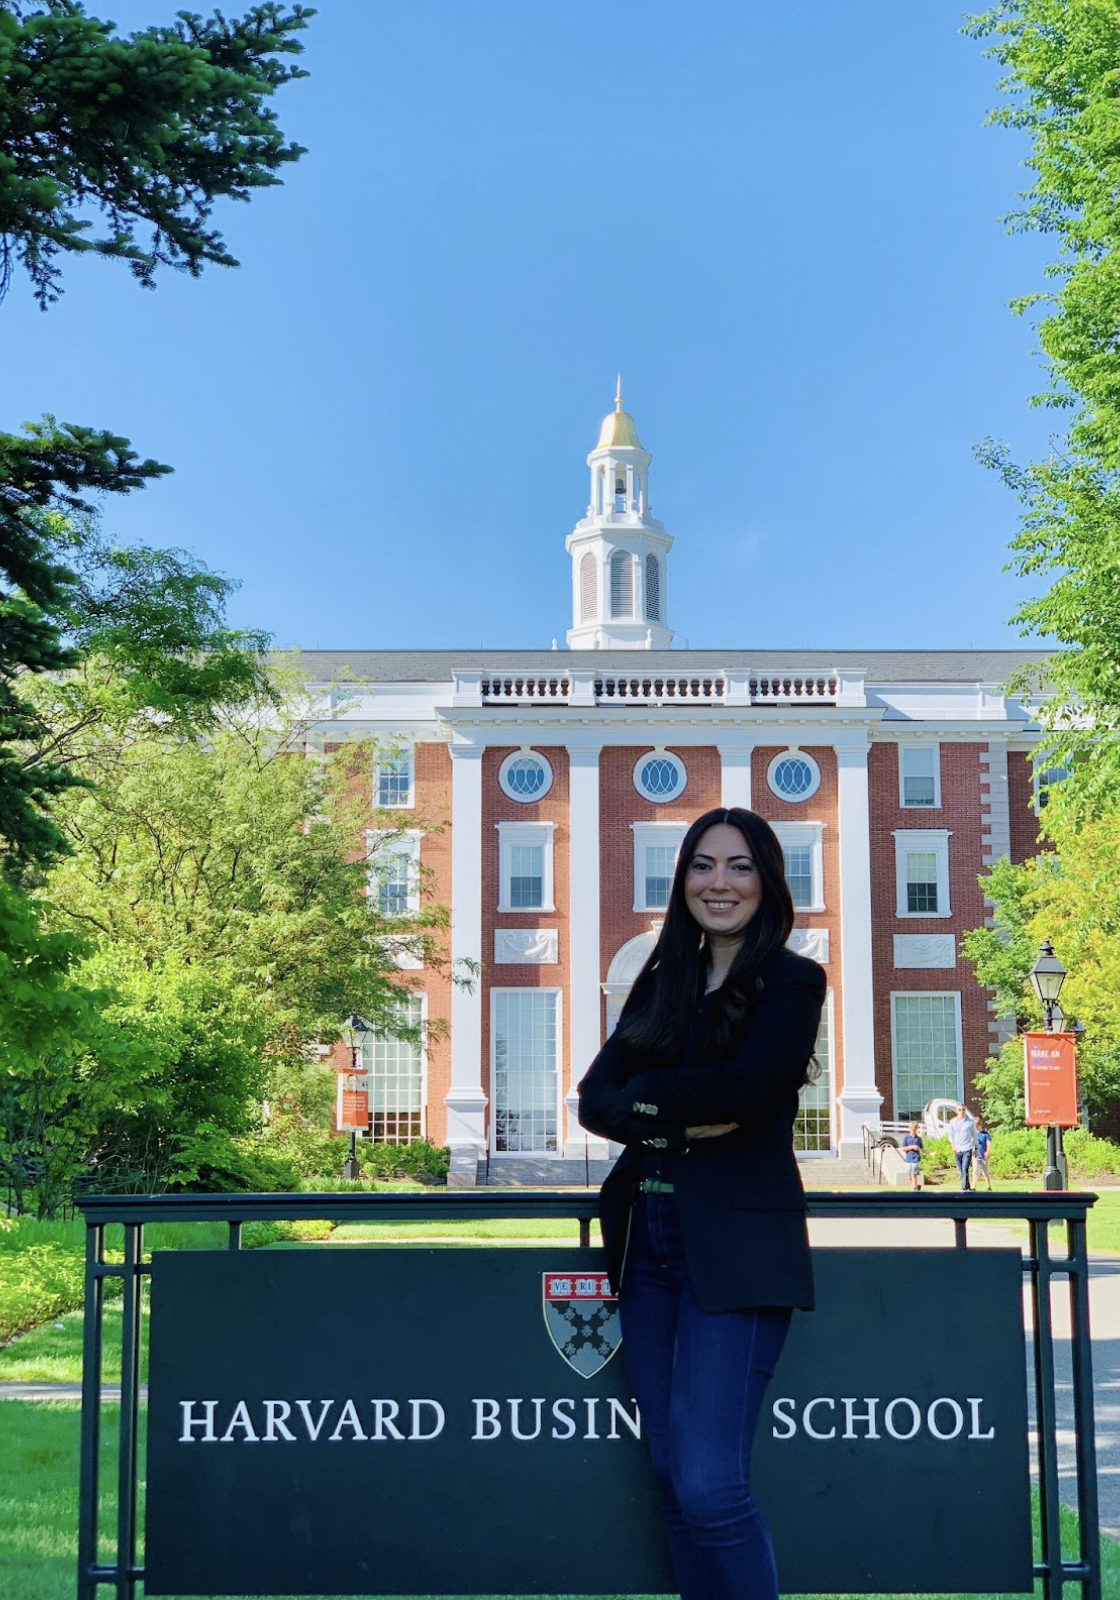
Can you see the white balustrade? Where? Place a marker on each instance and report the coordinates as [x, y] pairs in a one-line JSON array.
[[585, 686]]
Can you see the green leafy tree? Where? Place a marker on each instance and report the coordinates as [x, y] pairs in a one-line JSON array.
[[149, 131], [1062, 86], [215, 882], [46, 1025], [1071, 897]]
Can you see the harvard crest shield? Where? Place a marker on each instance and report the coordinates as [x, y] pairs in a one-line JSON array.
[[581, 1315]]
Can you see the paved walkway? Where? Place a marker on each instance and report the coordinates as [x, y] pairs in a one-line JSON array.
[[936, 1233], [1104, 1323]]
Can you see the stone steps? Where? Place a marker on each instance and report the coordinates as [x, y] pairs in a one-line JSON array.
[[544, 1172]]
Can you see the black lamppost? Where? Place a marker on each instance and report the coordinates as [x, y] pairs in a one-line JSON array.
[[1047, 976], [353, 1034]]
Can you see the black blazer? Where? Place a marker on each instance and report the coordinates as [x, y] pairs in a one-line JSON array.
[[741, 1204]]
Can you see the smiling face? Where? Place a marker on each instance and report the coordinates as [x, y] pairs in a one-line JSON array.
[[722, 886]]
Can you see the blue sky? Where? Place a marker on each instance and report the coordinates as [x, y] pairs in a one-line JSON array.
[[781, 222]]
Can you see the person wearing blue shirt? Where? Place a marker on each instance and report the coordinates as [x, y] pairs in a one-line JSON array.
[[980, 1157], [912, 1147]]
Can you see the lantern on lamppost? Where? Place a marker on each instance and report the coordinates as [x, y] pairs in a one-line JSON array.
[[1054, 1060], [1047, 977], [355, 1100]]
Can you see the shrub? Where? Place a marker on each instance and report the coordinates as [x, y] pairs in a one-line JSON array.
[[404, 1160], [1089, 1156]]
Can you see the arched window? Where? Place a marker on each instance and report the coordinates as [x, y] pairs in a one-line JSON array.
[[653, 589], [622, 584], [588, 588]]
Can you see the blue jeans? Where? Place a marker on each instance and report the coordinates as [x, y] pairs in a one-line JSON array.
[[699, 1380], [963, 1158]]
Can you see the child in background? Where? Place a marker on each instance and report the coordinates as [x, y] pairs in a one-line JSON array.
[[980, 1159], [912, 1148]]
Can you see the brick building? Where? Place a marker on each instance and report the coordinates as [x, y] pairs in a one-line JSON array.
[[542, 797]]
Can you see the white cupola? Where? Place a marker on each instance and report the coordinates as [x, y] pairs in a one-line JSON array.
[[618, 549]]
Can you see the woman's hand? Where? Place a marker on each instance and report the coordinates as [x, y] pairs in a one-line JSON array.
[[710, 1130]]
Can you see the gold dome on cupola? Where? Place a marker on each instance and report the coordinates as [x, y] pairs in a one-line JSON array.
[[618, 426]]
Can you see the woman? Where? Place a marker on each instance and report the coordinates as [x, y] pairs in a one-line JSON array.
[[704, 1215]]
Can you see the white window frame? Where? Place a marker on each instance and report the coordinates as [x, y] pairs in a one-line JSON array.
[[520, 755], [812, 834], [405, 753], [793, 754], [659, 754], [403, 842], [908, 747], [646, 834], [928, 841], [1039, 767], [525, 833], [558, 1017], [926, 994], [828, 1077], [368, 1075]]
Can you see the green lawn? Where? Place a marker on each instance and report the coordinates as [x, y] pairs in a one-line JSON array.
[[39, 1498]]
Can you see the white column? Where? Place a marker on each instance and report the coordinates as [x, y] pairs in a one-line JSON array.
[[584, 1000], [466, 1099], [735, 775], [860, 1100]]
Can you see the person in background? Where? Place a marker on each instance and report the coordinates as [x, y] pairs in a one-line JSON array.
[[962, 1137], [704, 1214], [980, 1161], [912, 1147]]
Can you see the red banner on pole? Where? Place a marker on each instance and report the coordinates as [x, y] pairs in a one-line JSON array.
[[1050, 1080], [355, 1109]]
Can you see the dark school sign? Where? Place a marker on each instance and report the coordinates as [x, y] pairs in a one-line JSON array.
[[459, 1421]]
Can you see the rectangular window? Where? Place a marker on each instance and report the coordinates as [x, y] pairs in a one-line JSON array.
[[926, 1039], [393, 883], [799, 872], [656, 847], [812, 1132], [661, 861], [392, 781], [922, 872], [526, 879], [1046, 774], [919, 774], [803, 852], [525, 876], [921, 881], [395, 871], [395, 1071], [525, 1055]]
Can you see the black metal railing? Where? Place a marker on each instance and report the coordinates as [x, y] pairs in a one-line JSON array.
[[1040, 1269]]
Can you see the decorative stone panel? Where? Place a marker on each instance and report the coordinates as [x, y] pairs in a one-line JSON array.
[[925, 950], [526, 947], [811, 942]]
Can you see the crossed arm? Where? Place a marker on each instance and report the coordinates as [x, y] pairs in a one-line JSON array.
[[666, 1103]]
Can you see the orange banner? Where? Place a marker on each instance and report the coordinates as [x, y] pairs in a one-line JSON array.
[[355, 1109], [1050, 1080]]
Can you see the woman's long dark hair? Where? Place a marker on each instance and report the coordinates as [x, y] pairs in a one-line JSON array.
[[667, 991]]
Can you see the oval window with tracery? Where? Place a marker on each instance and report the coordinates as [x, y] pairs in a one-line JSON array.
[[525, 776], [793, 776], [660, 776]]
